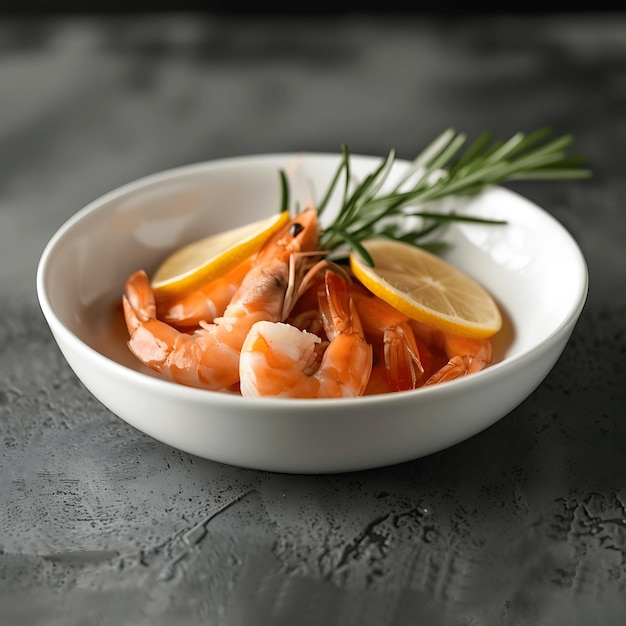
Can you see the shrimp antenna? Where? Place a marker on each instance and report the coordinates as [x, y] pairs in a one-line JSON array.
[[294, 290]]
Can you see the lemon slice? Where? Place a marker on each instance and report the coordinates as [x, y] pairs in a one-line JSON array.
[[425, 287], [198, 263]]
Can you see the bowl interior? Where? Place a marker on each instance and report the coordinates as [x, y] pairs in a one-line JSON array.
[[531, 265]]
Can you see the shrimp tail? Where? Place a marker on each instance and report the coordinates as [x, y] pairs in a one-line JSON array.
[[456, 367], [402, 358], [151, 341], [466, 356], [138, 301], [400, 355], [338, 311]]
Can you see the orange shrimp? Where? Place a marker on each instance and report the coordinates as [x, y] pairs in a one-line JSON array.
[[465, 355], [279, 359], [186, 312], [209, 358]]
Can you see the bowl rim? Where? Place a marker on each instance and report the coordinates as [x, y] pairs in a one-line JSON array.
[[156, 384]]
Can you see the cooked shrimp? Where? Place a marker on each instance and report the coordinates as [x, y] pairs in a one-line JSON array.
[[465, 355], [397, 356], [187, 311], [209, 358], [279, 359]]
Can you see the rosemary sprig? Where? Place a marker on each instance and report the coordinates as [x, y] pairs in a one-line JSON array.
[[441, 170]]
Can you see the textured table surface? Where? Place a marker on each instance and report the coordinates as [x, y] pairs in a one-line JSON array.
[[524, 524]]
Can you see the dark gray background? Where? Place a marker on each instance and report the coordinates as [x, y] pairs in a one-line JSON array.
[[524, 524]]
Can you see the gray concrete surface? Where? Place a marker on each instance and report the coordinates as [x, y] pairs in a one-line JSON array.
[[524, 524]]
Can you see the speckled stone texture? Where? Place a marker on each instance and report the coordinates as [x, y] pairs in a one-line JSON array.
[[524, 524]]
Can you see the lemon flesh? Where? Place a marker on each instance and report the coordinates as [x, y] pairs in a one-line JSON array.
[[426, 288], [200, 262]]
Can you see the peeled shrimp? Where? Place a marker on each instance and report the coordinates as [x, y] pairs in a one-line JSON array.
[[209, 358], [279, 359]]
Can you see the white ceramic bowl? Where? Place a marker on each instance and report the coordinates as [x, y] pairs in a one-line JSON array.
[[532, 266]]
